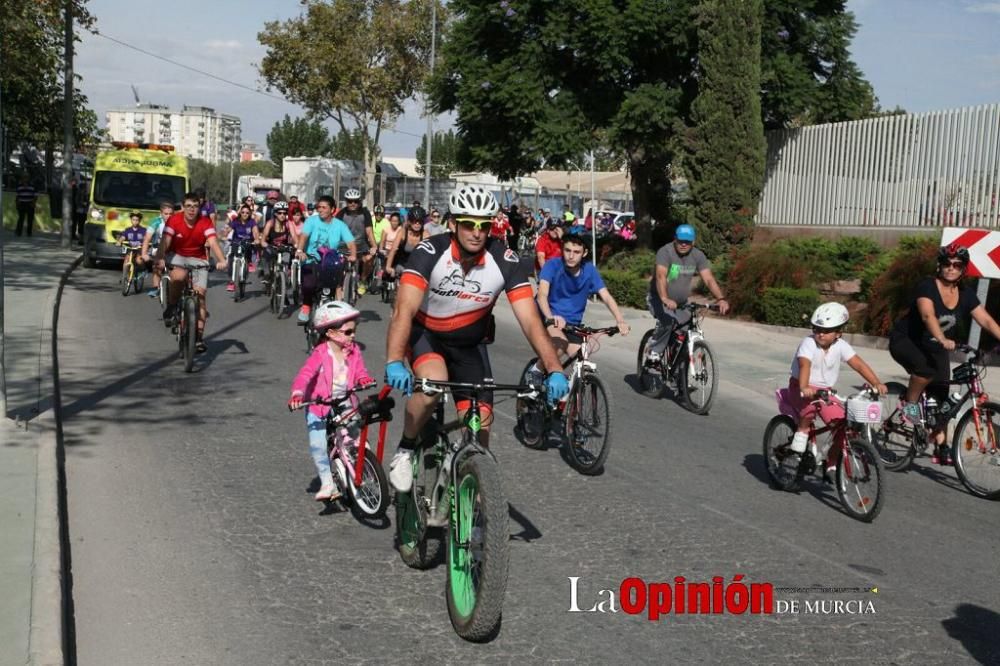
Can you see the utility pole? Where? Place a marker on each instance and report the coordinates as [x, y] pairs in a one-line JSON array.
[[67, 175], [427, 110], [593, 211], [3, 339]]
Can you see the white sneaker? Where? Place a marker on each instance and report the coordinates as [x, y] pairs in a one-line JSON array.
[[652, 357], [401, 470], [799, 441], [327, 492]]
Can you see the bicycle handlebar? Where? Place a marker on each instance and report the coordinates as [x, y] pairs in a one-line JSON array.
[[586, 331], [332, 402], [433, 387]]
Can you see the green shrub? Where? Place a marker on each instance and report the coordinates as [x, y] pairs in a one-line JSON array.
[[891, 292], [639, 261], [873, 271], [628, 288], [840, 259], [760, 268], [786, 306]]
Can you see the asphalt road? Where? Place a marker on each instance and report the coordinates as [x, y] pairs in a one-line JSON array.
[[195, 538]]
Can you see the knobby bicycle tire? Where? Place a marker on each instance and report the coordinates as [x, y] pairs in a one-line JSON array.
[[190, 332], [532, 417], [419, 546], [860, 481], [589, 397], [477, 575], [702, 360], [650, 380], [280, 292], [977, 461]]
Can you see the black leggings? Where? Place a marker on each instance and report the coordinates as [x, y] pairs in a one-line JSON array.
[[929, 362], [313, 278]]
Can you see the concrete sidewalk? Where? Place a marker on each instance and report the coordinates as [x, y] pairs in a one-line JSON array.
[[31, 572]]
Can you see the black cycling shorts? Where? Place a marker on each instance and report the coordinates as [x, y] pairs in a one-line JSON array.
[[464, 364], [920, 360]]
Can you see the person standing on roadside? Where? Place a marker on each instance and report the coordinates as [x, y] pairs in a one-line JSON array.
[[81, 196], [25, 201]]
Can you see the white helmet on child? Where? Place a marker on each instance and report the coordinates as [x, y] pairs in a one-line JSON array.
[[333, 314], [830, 315]]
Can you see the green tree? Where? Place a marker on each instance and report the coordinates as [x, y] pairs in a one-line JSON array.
[[352, 61], [724, 155], [444, 154], [297, 138], [807, 75], [350, 145]]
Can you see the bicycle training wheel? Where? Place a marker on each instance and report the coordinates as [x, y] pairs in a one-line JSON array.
[[588, 424], [783, 464], [699, 379], [532, 416], [650, 379], [975, 451], [477, 550], [860, 483], [190, 338], [370, 500]]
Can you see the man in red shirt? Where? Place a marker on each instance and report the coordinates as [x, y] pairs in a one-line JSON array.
[[185, 236], [549, 244]]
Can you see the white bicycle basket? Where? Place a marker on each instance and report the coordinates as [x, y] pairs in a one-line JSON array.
[[861, 409]]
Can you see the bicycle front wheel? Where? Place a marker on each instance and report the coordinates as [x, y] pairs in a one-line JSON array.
[[892, 441], [860, 483], [588, 425], [190, 328], [783, 464], [127, 269], [477, 550], [699, 379], [280, 292], [164, 290], [975, 450], [370, 500]]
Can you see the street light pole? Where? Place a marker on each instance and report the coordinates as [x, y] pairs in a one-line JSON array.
[[67, 176], [427, 110], [593, 212]]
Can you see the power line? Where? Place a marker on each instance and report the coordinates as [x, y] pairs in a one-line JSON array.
[[223, 80]]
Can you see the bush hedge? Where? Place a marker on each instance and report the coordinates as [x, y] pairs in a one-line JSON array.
[[628, 289], [890, 292], [784, 306]]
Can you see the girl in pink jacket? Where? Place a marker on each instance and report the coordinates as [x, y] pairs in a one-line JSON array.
[[333, 367]]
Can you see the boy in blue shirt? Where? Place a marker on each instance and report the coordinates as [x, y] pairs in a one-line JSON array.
[[564, 285]]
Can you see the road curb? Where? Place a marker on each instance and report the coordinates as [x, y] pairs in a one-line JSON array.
[[50, 635]]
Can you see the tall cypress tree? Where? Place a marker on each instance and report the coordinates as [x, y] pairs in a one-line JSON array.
[[725, 141]]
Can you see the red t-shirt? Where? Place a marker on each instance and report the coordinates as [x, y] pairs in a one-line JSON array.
[[550, 247], [500, 227], [189, 241]]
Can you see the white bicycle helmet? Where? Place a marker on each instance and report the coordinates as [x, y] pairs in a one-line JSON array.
[[333, 314], [473, 200], [830, 315], [352, 194]]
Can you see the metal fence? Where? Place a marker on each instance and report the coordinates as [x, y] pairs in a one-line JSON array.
[[916, 170]]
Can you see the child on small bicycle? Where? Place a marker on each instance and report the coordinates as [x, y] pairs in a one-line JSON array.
[[816, 367], [333, 367]]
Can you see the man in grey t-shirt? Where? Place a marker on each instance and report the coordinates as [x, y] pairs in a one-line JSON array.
[[676, 265]]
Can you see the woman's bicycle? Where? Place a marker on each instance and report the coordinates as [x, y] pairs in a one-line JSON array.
[[239, 274], [351, 281], [280, 279], [687, 363], [389, 285], [357, 469], [974, 448], [586, 408], [456, 486], [295, 281], [132, 275], [859, 478]]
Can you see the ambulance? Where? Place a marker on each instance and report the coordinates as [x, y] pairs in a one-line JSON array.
[[132, 176]]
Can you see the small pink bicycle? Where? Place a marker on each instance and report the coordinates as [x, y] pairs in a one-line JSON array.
[[860, 483]]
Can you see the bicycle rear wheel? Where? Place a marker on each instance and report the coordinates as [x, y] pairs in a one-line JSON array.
[[419, 545], [588, 425], [860, 482], [532, 416], [478, 556], [892, 441], [370, 500], [783, 464], [698, 379], [650, 378], [975, 451]]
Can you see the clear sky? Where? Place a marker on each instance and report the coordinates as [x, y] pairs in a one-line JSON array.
[[919, 54]]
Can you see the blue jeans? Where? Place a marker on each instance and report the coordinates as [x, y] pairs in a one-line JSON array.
[[316, 427]]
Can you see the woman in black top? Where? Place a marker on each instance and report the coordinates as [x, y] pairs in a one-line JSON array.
[[939, 316]]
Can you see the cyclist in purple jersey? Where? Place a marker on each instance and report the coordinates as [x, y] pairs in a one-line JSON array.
[[244, 229]]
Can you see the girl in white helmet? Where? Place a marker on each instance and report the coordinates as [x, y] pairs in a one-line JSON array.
[[816, 366], [333, 367]]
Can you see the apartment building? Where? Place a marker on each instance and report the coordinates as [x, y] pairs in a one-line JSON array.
[[195, 131]]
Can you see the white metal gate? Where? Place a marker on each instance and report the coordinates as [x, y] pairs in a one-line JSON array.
[[915, 170]]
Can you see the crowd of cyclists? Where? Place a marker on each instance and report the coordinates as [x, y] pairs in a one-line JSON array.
[[450, 267]]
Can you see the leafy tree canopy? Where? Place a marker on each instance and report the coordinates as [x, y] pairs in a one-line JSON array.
[[296, 138], [444, 154]]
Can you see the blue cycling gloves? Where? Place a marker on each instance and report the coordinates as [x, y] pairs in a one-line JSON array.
[[399, 377], [556, 387]]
